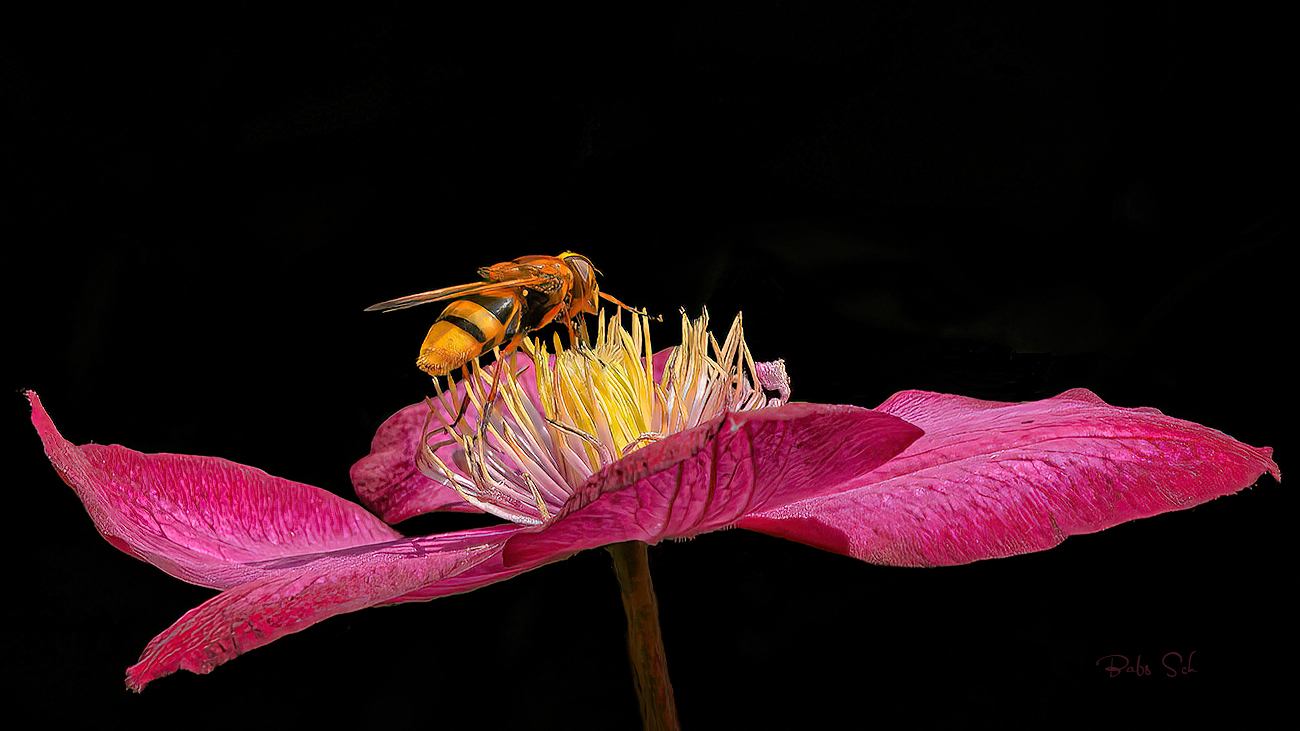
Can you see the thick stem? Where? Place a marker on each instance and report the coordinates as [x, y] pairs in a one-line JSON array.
[[645, 644]]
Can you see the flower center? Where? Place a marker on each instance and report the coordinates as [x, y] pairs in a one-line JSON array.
[[555, 420]]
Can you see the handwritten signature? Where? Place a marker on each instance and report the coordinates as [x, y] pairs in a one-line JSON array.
[[1117, 665]]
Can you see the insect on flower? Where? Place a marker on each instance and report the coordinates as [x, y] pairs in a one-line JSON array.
[[514, 298]]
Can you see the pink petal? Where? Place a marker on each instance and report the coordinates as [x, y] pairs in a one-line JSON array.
[[205, 520], [292, 594], [710, 476], [993, 479], [387, 480], [289, 554]]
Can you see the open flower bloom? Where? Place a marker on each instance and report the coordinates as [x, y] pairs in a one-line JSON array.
[[615, 443]]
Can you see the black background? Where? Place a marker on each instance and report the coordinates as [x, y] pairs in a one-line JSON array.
[[1000, 203]]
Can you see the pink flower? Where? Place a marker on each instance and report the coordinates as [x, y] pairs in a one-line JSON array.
[[613, 444]]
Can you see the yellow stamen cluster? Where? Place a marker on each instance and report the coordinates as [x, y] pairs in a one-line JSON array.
[[595, 404]]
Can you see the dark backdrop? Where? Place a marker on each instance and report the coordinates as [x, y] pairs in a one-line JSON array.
[[999, 203]]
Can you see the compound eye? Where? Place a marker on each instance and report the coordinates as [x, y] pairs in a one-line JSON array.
[[581, 266]]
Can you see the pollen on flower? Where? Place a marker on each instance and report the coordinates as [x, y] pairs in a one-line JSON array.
[[554, 419]]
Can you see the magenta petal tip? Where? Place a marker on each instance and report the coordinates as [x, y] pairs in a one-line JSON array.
[[993, 479]]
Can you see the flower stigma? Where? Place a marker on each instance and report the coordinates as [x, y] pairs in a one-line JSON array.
[[556, 419]]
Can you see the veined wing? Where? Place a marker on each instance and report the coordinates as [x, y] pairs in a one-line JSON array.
[[460, 290]]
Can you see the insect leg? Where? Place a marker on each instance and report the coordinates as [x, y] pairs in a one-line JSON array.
[[468, 380], [581, 336], [464, 400], [492, 394]]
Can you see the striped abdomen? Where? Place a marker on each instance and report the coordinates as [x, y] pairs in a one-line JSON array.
[[469, 327]]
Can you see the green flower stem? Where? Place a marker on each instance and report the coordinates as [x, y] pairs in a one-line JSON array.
[[645, 644]]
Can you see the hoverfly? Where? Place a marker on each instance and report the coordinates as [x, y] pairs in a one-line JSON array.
[[514, 298]]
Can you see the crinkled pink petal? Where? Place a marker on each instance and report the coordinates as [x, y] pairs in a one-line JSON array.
[[708, 477], [294, 593], [993, 479], [205, 520], [388, 482]]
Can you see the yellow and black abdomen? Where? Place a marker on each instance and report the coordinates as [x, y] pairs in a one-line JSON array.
[[469, 327]]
